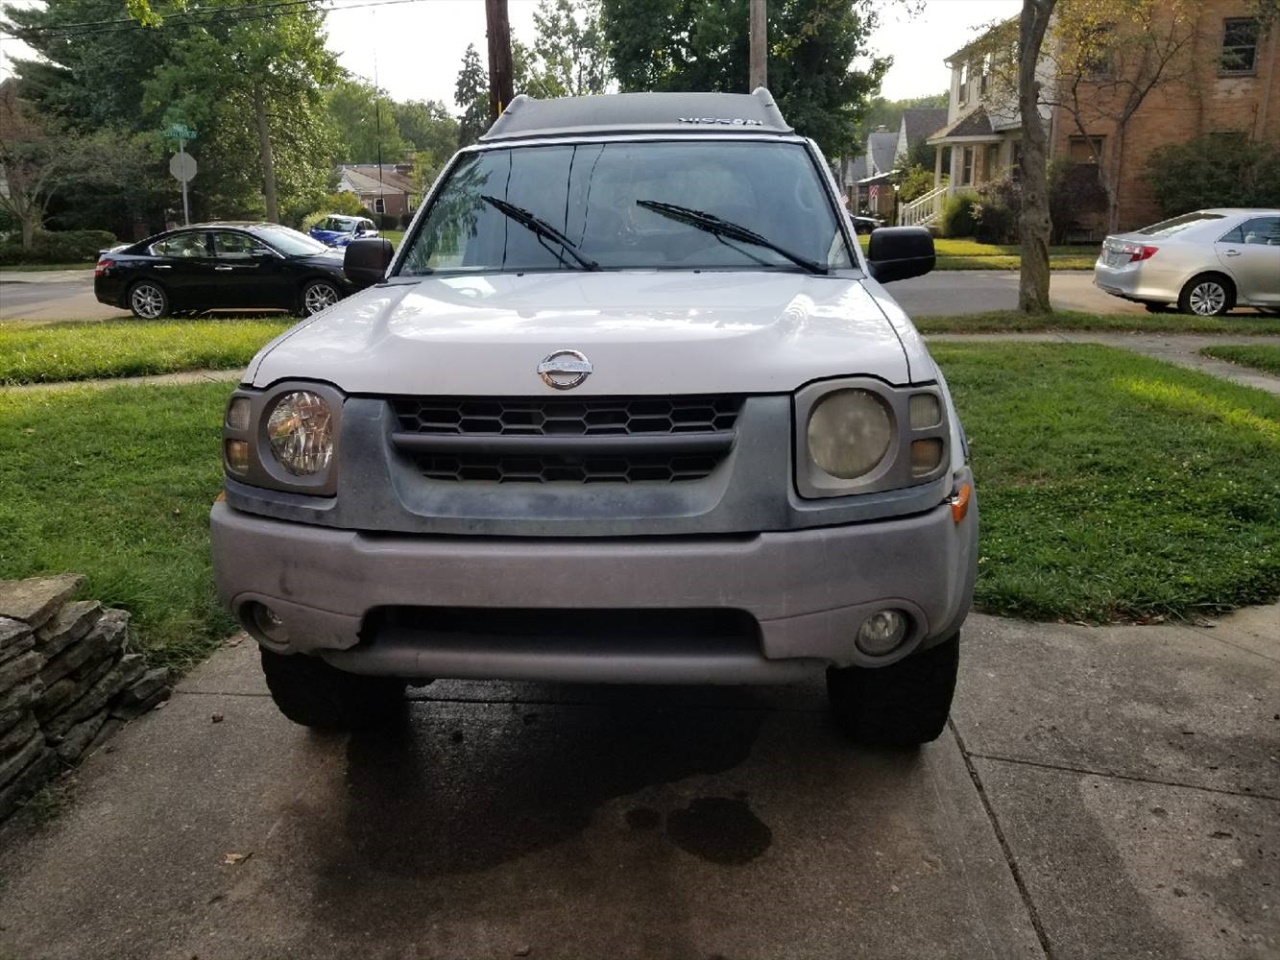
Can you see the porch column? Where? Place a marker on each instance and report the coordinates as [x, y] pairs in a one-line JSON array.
[[937, 167]]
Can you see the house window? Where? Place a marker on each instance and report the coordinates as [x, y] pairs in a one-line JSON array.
[[964, 83], [1085, 149], [987, 66], [379, 205], [966, 166], [1239, 46]]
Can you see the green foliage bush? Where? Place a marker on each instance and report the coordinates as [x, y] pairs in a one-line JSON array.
[[996, 215], [344, 202], [1076, 198], [957, 215], [914, 182], [1216, 170], [67, 246]]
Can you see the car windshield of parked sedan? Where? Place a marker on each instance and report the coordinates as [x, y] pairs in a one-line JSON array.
[[632, 205], [290, 242], [1167, 228], [339, 224]]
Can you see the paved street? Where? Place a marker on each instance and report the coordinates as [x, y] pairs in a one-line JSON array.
[[1103, 792], [943, 292]]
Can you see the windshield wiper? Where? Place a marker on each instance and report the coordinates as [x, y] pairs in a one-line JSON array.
[[726, 228], [541, 228]]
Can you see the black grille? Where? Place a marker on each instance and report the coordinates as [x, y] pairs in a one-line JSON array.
[[547, 469], [646, 416], [655, 440]]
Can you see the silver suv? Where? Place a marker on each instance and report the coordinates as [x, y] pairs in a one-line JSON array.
[[629, 405]]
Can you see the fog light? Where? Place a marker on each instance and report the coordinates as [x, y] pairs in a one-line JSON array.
[[882, 633], [237, 456], [262, 620], [925, 456]]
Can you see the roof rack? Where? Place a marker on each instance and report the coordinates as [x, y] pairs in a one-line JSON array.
[[622, 113]]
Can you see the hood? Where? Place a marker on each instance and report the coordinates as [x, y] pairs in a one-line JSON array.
[[644, 333]]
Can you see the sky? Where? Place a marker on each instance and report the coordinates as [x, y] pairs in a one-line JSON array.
[[414, 47]]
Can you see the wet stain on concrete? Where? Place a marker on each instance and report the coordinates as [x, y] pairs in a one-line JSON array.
[[425, 802], [720, 830], [642, 818]]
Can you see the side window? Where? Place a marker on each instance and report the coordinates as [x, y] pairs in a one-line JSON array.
[[1233, 236], [1262, 230], [234, 246], [1239, 45], [181, 245]]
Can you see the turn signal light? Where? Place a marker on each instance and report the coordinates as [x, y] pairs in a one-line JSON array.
[[102, 266], [960, 503]]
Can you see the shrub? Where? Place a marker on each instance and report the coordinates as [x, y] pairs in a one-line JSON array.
[[1077, 201], [405, 219], [387, 221], [913, 182], [1216, 170], [996, 216], [957, 215], [67, 246]]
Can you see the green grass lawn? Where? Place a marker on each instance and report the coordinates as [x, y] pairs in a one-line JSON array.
[[1110, 486], [1260, 357], [395, 236], [48, 352], [965, 254], [1011, 321], [1115, 486]]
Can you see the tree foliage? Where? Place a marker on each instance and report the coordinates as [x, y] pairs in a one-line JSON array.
[[471, 94], [1218, 170], [820, 70], [570, 52], [365, 123]]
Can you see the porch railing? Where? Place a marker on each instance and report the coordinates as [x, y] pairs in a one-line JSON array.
[[923, 211]]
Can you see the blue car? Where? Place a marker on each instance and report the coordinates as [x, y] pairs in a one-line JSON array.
[[338, 231]]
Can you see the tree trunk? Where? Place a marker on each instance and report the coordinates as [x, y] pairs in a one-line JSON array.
[[268, 157], [30, 223], [1034, 225], [1112, 183]]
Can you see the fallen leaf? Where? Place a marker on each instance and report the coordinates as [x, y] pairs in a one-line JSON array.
[[217, 718], [231, 859]]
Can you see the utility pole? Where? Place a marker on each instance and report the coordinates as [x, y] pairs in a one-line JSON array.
[[759, 72], [501, 81]]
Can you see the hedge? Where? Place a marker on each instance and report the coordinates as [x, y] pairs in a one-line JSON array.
[[67, 246]]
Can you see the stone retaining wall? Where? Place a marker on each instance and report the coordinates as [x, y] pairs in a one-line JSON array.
[[67, 681]]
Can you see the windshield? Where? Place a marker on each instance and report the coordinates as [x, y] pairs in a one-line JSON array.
[[338, 224], [589, 193], [290, 242]]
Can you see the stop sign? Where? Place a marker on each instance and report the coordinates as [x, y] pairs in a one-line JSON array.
[[183, 167]]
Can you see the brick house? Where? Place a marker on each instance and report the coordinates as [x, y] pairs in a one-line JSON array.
[[388, 189], [1231, 86]]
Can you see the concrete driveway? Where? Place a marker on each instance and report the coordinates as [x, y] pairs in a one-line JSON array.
[[1109, 792]]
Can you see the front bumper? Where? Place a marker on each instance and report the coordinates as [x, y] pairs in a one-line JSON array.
[[804, 592]]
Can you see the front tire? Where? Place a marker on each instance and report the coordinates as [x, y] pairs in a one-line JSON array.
[[312, 693], [148, 300], [318, 295], [1208, 295], [901, 705]]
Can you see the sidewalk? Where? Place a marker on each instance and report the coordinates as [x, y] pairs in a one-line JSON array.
[[1103, 792]]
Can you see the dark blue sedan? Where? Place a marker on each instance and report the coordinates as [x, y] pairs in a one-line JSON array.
[[222, 266], [338, 231]]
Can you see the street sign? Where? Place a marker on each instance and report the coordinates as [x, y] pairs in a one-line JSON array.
[[183, 167], [179, 131]]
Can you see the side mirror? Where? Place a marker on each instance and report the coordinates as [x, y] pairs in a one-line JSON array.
[[899, 253], [366, 261]]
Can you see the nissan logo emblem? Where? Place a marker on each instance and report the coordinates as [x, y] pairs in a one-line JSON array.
[[564, 369]]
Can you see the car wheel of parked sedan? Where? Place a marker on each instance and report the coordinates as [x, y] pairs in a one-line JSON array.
[[312, 693], [901, 705], [148, 301], [1208, 295], [318, 295]]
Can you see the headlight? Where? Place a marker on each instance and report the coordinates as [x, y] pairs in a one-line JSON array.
[[849, 433], [300, 432]]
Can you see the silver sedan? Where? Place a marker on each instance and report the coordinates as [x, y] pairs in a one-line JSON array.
[[1206, 262]]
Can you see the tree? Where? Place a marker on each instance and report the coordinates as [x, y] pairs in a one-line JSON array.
[[570, 53], [1033, 221], [365, 123], [269, 73], [1217, 170], [471, 94], [1107, 58], [703, 45], [32, 157], [427, 127]]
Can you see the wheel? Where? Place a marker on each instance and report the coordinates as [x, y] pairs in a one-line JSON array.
[[1208, 295], [148, 301], [1156, 307], [317, 295], [310, 692], [903, 704]]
